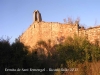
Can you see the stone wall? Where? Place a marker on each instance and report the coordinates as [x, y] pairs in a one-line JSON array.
[[92, 34], [54, 31]]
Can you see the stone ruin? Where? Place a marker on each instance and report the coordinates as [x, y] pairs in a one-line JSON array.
[[57, 32]]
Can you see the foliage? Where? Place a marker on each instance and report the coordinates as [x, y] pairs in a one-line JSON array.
[[75, 52]]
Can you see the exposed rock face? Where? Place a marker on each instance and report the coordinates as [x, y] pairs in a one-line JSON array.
[[55, 31]]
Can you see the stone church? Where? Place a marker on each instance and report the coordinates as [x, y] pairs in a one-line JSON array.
[[55, 31]]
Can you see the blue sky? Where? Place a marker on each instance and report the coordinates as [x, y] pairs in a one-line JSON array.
[[17, 15]]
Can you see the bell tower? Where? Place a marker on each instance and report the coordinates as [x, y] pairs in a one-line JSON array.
[[37, 16]]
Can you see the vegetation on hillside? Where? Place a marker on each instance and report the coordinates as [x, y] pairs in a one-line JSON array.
[[76, 55]]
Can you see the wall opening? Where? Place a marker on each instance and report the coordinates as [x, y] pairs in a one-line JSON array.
[[37, 16]]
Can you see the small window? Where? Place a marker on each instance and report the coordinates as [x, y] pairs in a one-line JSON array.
[[34, 26]]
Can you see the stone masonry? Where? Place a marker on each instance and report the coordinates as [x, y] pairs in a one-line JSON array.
[[56, 32]]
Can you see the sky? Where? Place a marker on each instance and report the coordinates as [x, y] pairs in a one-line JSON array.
[[17, 15]]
